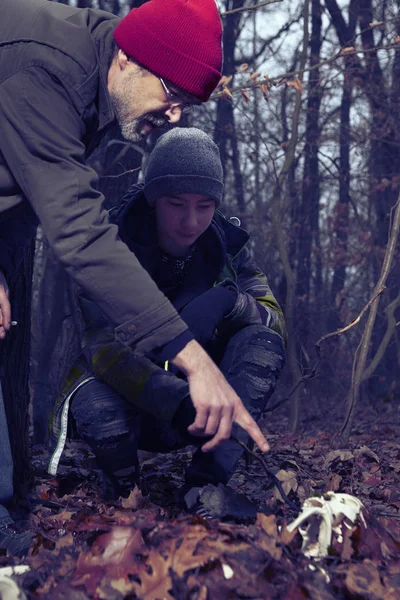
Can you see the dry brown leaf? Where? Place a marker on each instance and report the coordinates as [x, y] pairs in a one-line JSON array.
[[122, 585], [183, 557], [202, 593], [397, 39], [255, 75], [286, 537], [265, 91], [226, 92], [288, 481], [61, 518], [363, 581], [134, 500], [111, 553], [155, 581], [225, 80], [268, 538], [347, 549], [377, 23], [342, 455], [347, 50], [243, 67], [268, 524], [215, 548], [245, 96], [332, 484], [296, 84], [365, 451]]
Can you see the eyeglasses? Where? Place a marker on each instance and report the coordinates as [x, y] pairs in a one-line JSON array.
[[175, 98]]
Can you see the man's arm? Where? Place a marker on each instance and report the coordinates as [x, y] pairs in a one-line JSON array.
[[42, 131], [217, 405], [41, 142]]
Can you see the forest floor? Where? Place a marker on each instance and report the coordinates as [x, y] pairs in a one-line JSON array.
[[145, 547]]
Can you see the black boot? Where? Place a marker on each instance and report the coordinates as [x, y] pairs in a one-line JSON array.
[[15, 542]]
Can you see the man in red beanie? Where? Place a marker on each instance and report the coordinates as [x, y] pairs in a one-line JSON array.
[[66, 74]]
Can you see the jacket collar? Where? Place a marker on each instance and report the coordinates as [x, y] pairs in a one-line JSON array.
[[235, 237], [136, 224]]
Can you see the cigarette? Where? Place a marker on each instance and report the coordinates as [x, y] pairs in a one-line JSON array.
[[14, 323]]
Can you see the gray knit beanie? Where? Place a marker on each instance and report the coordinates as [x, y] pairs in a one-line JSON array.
[[184, 161]]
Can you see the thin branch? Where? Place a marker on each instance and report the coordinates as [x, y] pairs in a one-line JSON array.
[[391, 326], [350, 325], [280, 79], [302, 379], [252, 7], [271, 475], [251, 60], [366, 338]]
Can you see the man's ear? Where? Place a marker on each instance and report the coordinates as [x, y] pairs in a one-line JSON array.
[[122, 59]]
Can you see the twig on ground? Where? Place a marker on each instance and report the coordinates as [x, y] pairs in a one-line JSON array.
[[271, 475]]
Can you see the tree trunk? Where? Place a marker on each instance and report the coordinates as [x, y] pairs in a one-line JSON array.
[[384, 163], [14, 361], [225, 129], [309, 210], [341, 221]]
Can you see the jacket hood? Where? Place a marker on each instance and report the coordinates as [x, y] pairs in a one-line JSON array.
[[136, 223]]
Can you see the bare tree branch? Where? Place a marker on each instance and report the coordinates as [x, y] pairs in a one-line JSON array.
[[391, 326], [280, 237], [359, 363], [284, 77], [350, 325], [252, 7]]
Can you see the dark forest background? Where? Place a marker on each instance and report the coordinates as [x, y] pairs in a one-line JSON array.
[[307, 122]]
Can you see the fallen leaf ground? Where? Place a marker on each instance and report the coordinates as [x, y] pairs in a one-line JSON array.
[[144, 547]]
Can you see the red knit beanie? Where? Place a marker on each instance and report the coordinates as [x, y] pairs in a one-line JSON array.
[[179, 40]]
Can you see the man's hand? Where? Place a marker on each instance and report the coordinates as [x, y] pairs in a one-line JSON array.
[[217, 404], [5, 307]]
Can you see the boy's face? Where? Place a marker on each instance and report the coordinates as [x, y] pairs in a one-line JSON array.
[[181, 220]]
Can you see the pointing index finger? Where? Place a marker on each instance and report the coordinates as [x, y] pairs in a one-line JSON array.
[[255, 432]]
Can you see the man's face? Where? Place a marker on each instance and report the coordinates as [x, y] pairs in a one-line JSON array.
[[181, 220], [139, 99]]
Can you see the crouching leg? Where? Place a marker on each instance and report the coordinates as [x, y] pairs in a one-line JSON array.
[[111, 427], [252, 362]]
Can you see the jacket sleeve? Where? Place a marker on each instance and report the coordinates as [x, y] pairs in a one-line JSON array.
[[126, 371], [41, 139], [255, 303]]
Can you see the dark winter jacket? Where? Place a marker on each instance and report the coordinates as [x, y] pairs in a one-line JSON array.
[[221, 253], [54, 109]]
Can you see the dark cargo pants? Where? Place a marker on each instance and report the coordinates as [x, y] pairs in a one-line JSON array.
[[115, 429]]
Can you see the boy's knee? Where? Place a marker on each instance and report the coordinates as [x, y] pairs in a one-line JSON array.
[[256, 345], [100, 413], [252, 363]]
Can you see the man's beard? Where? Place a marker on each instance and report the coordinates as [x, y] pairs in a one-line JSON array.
[[134, 130], [137, 129]]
